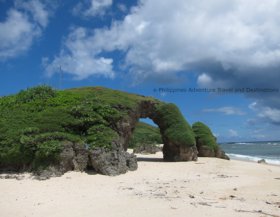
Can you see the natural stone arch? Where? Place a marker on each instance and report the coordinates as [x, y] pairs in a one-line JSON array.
[[177, 135]]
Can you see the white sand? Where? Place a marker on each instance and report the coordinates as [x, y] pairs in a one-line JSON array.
[[208, 187]]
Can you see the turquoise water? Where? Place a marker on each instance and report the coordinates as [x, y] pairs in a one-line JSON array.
[[254, 151]]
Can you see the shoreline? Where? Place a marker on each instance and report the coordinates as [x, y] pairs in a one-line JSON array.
[[207, 187]]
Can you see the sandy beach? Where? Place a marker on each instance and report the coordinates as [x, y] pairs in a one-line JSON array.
[[208, 187]]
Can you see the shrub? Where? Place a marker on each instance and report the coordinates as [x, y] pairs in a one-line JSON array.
[[145, 134], [176, 127], [204, 135]]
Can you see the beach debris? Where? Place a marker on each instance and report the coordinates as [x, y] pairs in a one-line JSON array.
[[235, 189], [262, 161], [277, 204], [277, 178], [256, 211], [191, 196], [204, 204], [221, 207]]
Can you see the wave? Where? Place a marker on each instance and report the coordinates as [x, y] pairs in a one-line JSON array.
[[253, 158], [274, 143]]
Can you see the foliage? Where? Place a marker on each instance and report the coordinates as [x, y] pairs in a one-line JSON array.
[[176, 127], [36, 93], [204, 135], [145, 134], [35, 122]]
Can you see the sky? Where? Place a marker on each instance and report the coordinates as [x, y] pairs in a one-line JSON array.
[[217, 60]]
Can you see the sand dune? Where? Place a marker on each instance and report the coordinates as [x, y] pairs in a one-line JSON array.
[[208, 187]]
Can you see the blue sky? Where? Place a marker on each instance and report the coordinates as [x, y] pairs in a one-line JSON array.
[[159, 48]]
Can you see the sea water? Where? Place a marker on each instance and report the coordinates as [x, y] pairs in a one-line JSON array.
[[254, 151]]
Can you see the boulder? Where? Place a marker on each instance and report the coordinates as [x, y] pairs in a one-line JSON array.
[[147, 149], [112, 162], [262, 161], [206, 142]]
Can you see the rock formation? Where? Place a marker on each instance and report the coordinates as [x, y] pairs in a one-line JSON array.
[[50, 132], [206, 142]]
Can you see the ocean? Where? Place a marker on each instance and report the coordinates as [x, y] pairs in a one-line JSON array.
[[254, 151]]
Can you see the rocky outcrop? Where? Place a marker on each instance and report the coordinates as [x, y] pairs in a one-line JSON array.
[[219, 153], [205, 151], [147, 149], [206, 142], [55, 125], [112, 163], [77, 157], [179, 142]]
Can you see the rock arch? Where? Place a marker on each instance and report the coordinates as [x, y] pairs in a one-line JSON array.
[[177, 135]]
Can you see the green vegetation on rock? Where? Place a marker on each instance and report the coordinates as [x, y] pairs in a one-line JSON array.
[[36, 123], [145, 134], [176, 127], [204, 136]]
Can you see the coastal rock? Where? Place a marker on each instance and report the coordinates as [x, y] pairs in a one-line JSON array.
[[206, 142], [73, 156], [262, 161], [219, 153], [112, 162], [147, 149], [177, 147], [56, 125]]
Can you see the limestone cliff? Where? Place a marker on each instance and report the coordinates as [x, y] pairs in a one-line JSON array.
[[50, 131]]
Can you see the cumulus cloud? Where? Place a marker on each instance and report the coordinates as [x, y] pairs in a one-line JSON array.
[[266, 113], [226, 110], [79, 58], [225, 43], [204, 80], [23, 24], [92, 8]]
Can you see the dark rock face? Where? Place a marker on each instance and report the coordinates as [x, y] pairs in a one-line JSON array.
[[262, 161], [112, 163], [77, 157], [219, 153], [205, 151], [147, 149], [73, 157]]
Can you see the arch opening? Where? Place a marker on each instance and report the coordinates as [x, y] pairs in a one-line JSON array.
[[146, 138], [177, 137]]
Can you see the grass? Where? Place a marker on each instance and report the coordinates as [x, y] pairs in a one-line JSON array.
[[176, 128], [36, 122], [145, 134], [204, 135]]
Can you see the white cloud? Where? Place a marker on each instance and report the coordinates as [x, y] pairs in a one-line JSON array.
[[37, 9], [271, 114], [266, 112], [233, 33], [204, 80], [225, 42], [226, 110], [232, 133], [23, 24], [92, 8], [78, 58]]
